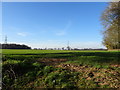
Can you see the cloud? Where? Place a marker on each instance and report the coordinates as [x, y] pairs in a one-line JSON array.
[[22, 34], [61, 33], [63, 43], [87, 44], [64, 30], [68, 25]]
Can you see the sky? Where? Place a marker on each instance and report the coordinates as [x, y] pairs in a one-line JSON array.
[[53, 24]]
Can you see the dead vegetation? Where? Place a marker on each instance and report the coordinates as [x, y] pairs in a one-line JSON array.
[[101, 76]]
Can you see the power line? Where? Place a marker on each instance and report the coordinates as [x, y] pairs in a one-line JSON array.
[[68, 47], [68, 44], [5, 39]]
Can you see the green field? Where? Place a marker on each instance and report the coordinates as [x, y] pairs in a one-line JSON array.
[[17, 51], [60, 69]]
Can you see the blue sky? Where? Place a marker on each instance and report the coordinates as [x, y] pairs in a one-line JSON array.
[[51, 24]]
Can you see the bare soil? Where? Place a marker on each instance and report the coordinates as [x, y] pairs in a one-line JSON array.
[[102, 76], [51, 61]]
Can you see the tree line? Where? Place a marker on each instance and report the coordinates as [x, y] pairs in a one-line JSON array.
[[14, 46], [111, 21]]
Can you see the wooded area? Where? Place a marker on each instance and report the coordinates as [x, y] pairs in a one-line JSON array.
[[14, 46]]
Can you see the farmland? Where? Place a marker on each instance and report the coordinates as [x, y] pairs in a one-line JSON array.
[[60, 69]]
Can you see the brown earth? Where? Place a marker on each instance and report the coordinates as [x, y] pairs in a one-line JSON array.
[[51, 61], [99, 75], [102, 76]]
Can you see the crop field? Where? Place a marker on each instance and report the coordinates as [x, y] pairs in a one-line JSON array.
[[60, 69]]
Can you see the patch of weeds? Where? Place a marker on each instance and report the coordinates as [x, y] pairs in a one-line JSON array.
[[39, 82], [68, 85], [40, 73], [98, 77], [31, 74], [47, 69], [38, 66], [105, 86], [83, 83], [11, 62], [23, 80], [97, 66], [51, 79], [91, 84], [106, 66], [8, 81], [61, 79], [117, 68]]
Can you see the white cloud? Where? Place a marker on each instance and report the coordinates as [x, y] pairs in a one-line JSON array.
[[61, 33], [68, 25], [64, 30], [22, 34], [63, 43], [87, 45]]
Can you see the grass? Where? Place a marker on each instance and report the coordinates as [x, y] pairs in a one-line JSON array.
[[23, 51], [43, 69]]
